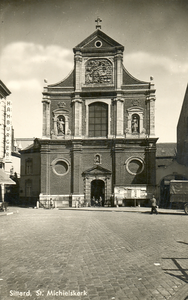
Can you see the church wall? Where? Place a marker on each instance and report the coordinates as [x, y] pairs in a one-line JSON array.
[[122, 176], [84, 160], [88, 158], [55, 178], [60, 184]]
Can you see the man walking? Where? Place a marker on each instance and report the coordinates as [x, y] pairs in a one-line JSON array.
[[154, 205]]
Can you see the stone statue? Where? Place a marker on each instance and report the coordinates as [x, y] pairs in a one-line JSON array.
[[134, 125], [60, 126]]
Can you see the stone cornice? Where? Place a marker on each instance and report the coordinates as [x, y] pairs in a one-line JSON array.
[[77, 100], [120, 99], [4, 91]]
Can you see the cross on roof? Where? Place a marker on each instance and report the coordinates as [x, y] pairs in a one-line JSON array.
[[98, 20]]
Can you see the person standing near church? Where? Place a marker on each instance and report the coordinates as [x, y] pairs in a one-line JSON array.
[[154, 205]]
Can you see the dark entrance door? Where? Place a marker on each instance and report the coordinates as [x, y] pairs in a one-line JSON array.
[[97, 191]]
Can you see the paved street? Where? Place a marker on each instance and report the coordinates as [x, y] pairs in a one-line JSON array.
[[93, 254]]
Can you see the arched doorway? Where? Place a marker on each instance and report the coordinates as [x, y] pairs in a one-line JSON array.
[[165, 189], [97, 191]]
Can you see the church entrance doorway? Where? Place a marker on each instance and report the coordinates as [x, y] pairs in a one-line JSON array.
[[97, 192]]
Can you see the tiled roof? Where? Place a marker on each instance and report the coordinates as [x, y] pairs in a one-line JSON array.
[[23, 143], [166, 150]]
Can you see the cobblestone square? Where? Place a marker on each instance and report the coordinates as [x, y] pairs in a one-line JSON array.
[[93, 255]]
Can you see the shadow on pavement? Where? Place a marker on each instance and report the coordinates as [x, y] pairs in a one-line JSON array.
[[182, 272]]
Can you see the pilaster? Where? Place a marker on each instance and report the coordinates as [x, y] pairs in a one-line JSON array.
[[119, 116], [77, 102], [45, 169], [46, 117], [150, 153], [151, 100], [78, 70], [118, 68], [76, 167]]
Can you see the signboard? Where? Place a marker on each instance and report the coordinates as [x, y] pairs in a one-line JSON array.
[[8, 131], [130, 192]]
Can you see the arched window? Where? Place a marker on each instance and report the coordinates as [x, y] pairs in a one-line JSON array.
[[98, 119]]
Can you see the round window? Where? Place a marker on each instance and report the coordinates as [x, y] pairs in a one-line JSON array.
[[98, 44], [60, 167], [134, 165]]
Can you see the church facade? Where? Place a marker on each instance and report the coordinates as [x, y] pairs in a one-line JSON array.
[[98, 132]]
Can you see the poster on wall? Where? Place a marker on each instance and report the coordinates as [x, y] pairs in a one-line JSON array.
[[130, 192]]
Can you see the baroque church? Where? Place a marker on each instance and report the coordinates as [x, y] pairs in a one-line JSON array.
[[98, 133]]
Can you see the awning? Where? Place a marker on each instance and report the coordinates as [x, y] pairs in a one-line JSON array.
[[4, 178]]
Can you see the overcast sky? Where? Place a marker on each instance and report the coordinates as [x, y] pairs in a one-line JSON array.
[[37, 38]]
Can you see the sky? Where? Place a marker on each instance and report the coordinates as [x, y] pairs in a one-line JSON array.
[[37, 38]]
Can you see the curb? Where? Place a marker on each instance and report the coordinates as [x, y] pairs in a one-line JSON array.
[[8, 213], [123, 210]]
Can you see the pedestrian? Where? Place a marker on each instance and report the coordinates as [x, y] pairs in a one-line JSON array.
[[154, 205], [93, 201], [51, 203]]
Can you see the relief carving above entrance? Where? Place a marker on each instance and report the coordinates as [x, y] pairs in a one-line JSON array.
[[99, 71]]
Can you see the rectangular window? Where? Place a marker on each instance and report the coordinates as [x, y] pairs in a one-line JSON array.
[[28, 167]]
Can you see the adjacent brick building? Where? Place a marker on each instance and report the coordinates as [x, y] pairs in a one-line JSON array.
[[182, 133], [98, 131]]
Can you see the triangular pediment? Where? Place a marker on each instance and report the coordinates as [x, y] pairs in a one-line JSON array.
[[97, 170], [103, 40]]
